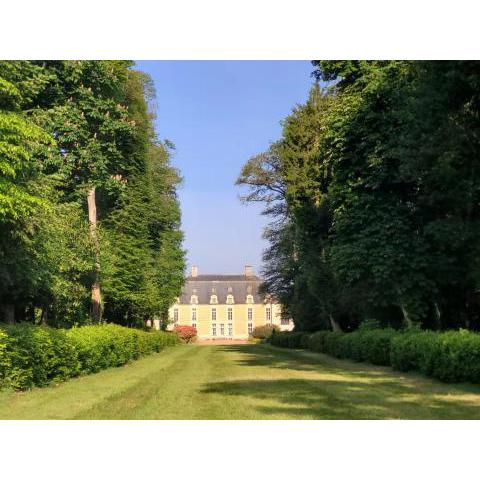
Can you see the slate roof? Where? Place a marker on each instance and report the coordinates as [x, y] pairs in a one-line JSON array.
[[237, 285]]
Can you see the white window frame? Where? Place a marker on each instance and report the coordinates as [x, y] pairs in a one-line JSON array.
[[230, 329], [175, 315], [222, 329], [193, 315], [214, 329], [213, 314], [268, 314], [230, 314], [249, 328], [230, 299], [250, 314]]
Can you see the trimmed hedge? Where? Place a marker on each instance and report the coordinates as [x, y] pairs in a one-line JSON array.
[[264, 331], [38, 356], [362, 345], [452, 356], [288, 339], [449, 356]]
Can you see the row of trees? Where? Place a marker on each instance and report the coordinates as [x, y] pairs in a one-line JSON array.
[[89, 218], [374, 194]]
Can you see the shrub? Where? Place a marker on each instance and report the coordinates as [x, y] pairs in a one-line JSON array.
[[413, 351], [449, 356], [316, 341], [264, 331], [186, 333], [287, 339], [332, 343], [37, 355], [374, 345], [362, 345], [305, 340]]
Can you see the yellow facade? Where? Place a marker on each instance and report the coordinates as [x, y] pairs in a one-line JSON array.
[[214, 321], [224, 316]]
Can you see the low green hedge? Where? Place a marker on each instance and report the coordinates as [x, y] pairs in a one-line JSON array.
[[264, 331], [452, 356], [362, 345], [449, 356], [288, 339], [38, 356]]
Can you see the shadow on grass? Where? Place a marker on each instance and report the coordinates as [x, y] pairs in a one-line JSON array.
[[301, 360], [343, 390]]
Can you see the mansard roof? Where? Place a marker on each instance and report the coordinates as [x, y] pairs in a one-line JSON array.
[[237, 285]]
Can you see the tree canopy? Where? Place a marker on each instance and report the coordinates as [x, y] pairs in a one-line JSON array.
[[380, 178], [87, 196]]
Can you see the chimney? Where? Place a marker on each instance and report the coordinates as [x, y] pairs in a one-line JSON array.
[[194, 271], [248, 271]]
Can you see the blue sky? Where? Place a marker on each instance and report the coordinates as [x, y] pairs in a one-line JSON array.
[[219, 114]]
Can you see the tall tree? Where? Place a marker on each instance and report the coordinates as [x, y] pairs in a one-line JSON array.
[[89, 119], [87, 195], [20, 141], [380, 186]]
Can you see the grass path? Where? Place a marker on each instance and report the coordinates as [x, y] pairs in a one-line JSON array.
[[244, 382]]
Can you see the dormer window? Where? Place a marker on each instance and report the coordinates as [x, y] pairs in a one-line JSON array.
[[249, 298], [230, 299], [213, 299], [194, 299]]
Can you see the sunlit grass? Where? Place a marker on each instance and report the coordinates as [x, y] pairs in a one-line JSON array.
[[245, 382]]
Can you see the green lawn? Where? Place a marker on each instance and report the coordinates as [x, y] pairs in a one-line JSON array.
[[244, 382]]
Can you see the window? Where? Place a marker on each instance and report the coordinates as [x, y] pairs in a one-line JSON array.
[[214, 313], [230, 300], [194, 325], [230, 314], [230, 329], [175, 315], [194, 314], [285, 321], [269, 314], [213, 296], [249, 314], [249, 298], [250, 328], [214, 329], [194, 299], [222, 329]]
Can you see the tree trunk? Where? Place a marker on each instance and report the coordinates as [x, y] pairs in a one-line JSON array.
[[438, 315], [8, 313], [334, 324], [96, 307], [406, 318], [44, 316]]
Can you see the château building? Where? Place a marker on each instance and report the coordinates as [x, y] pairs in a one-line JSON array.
[[225, 306]]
